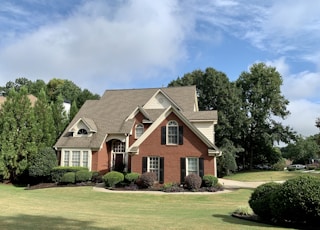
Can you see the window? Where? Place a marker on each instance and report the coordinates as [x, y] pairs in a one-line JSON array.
[[139, 130], [154, 164], [118, 147], [82, 132], [76, 158], [172, 133], [192, 166]]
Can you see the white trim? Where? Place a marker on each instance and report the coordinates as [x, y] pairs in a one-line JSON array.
[[141, 126], [158, 162], [187, 163], [176, 125], [81, 157]]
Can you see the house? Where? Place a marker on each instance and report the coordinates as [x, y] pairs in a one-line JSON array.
[[158, 130]]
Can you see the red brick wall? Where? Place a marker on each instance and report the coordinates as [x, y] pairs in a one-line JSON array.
[[100, 160], [192, 147]]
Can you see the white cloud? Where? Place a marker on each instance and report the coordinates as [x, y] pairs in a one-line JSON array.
[[281, 66], [98, 41], [303, 116]]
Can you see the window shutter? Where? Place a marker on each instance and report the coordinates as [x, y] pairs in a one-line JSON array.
[[180, 135], [182, 169], [144, 164], [201, 167], [163, 135], [161, 179]]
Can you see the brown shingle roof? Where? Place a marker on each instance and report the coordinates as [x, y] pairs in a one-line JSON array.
[[110, 112]]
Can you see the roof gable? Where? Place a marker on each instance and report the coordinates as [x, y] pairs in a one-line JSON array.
[[160, 100]]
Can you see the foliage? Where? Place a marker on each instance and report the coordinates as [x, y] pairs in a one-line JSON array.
[[83, 175], [147, 179], [260, 199], [60, 117], [280, 165], [172, 187], [243, 211], [262, 102], [302, 150], [68, 178], [113, 178], [58, 172], [193, 181], [96, 177], [17, 134], [132, 177], [46, 135], [297, 200], [227, 162], [41, 164], [210, 180], [73, 110]]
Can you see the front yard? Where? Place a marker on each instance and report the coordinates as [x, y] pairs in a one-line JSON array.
[[83, 208]]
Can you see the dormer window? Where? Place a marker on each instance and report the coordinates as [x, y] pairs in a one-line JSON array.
[[82, 132], [139, 130]]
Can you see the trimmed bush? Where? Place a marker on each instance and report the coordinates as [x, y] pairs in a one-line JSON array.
[[297, 200], [261, 198], [68, 178], [113, 178], [96, 177], [58, 172], [210, 180], [172, 187], [147, 179], [280, 165], [42, 163], [193, 181], [83, 176], [132, 177]]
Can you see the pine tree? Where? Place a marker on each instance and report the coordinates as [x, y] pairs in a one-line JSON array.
[[60, 117], [73, 110], [17, 135], [44, 121]]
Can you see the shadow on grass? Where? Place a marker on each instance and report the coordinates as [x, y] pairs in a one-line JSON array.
[[26, 222], [232, 220]]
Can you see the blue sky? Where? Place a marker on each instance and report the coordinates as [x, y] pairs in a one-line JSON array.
[[103, 45]]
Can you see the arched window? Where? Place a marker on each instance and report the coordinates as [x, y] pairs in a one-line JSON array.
[[82, 132], [172, 133], [139, 130]]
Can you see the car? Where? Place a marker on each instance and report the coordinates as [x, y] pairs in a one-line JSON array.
[[296, 167]]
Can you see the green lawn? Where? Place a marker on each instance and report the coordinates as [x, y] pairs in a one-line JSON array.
[[83, 208], [268, 175]]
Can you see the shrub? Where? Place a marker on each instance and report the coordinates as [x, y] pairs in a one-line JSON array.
[[147, 179], [297, 200], [260, 199], [68, 178], [96, 177], [172, 187], [42, 163], [83, 176], [193, 181], [132, 177], [113, 178], [280, 165], [58, 172], [243, 211], [210, 180]]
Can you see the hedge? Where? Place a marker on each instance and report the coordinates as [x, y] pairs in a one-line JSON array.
[[113, 178], [83, 176], [58, 172], [68, 178]]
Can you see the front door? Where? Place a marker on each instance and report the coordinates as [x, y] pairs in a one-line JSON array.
[[118, 163]]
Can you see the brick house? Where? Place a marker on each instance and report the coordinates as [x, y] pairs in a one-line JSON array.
[[138, 130]]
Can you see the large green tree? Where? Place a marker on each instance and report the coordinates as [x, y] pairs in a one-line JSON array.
[[263, 105], [46, 134], [60, 116], [17, 135]]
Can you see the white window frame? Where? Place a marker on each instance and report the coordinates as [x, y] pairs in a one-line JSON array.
[[67, 155], [150, 166], [172, 124], [140, 129], [118, 147], [197, 165]]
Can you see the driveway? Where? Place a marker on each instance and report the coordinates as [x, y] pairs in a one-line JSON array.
[[232, 184]]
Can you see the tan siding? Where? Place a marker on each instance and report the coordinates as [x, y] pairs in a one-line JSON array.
[[207, 128]]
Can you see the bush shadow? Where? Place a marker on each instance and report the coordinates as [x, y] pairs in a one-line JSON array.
[[25, 222]]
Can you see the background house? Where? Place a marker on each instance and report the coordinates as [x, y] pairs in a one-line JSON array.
[[138, 130]]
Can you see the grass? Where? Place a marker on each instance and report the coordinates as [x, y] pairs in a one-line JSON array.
[[267, 175], [83, 208]]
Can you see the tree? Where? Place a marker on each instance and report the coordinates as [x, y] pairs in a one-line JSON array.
[[60, 117], [17, 135], [262, 103], [46, 134], [73, 110], [303, 150]]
